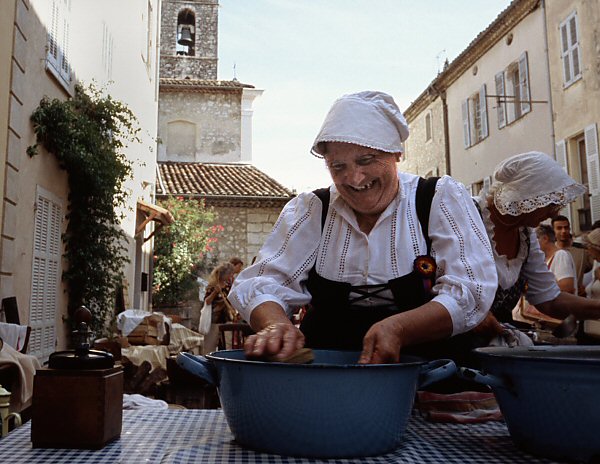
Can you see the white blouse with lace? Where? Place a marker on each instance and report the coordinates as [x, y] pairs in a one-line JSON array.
[[466, 278], [541, 284]]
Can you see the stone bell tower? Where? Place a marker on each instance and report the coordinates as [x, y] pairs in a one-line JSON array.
[[200, 118], [189, 39]]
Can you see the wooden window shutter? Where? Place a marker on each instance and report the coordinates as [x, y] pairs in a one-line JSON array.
[[593, 166], [45, 279], [574, 46], [466, 125], [487, 183], [53, 40], [483, 110], [561, 154], [524, 84], [500, 100]]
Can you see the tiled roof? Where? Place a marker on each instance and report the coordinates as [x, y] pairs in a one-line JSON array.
[[219, 183], [201, 85]]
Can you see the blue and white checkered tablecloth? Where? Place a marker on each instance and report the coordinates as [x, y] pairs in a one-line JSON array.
[[202, 436]]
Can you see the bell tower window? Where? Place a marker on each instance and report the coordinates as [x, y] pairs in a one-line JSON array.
[[186, 33]]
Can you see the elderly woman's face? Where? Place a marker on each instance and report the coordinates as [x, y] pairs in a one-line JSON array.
[[367, 179]]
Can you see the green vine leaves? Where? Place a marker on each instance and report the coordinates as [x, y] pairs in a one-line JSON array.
[[88, 135]]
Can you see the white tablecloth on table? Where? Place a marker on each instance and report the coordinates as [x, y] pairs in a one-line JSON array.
[[184, 339], [129, 319], [156, 355]]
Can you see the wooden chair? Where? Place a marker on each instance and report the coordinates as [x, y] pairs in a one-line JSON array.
[[239, 331], [11, 314], [11, 310]]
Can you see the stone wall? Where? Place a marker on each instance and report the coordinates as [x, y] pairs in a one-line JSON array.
[[245, 231], [216, 137], [425, 157], [203, 65]]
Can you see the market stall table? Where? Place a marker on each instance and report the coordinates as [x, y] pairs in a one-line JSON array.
[[197, 435]]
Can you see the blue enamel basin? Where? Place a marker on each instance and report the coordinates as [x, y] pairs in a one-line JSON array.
[[333, 407], [549, 396]]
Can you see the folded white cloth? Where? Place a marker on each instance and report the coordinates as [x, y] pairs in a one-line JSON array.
[[13, 335], [129, 319], [136, 401], [156, 355], [22, 388], [184, 339], [511, 337]]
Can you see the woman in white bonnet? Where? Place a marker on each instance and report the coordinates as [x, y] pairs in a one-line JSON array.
[[359, 253], [526, 190]]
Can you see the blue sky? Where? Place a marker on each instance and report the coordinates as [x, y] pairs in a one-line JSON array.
[[306, 53]]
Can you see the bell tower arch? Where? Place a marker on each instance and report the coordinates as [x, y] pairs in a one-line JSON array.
[[189, 39]]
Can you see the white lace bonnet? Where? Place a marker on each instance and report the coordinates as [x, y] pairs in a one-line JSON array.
[[529, 181], [370, 119]]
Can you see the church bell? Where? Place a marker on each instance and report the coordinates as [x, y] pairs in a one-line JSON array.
[[185, 38]]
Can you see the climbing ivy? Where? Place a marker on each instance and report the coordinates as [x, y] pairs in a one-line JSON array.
[[88, 134]]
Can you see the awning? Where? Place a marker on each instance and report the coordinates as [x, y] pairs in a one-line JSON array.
[[153, 213]]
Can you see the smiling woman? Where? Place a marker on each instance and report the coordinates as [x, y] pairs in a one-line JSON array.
[[365, 177], [354, 252]]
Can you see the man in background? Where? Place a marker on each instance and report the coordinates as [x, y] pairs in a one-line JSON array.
[[237, 264], [559, 261], [564, 241]]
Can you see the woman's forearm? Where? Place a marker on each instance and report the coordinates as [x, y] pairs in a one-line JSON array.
[[567, 303], [426, 323]]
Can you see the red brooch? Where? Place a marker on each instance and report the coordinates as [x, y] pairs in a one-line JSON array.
[[425, 265]]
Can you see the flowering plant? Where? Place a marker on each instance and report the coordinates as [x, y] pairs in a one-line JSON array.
[[181, 248]]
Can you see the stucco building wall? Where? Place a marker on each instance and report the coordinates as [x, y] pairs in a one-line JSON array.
[[425, 157], [576, 105], [93, 52], [533, 131]]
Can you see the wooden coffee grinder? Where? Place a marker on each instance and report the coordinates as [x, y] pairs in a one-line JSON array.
[[78, 398]]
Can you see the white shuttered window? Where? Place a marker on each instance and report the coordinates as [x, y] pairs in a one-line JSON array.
[[500, 103], [45, 277], [475, 120], [57, 56], [570, 54], [593, 167]]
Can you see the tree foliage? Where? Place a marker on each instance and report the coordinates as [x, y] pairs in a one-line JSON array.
[[181, 249]]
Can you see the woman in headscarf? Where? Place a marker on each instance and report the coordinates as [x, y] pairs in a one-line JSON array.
[[526, 190], [386, 260]]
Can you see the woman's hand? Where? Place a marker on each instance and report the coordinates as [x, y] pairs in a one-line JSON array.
[[212, 295], [489, 327], [382, 343], [278, 340]]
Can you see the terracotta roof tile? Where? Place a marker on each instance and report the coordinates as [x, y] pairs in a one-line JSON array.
[[212, 180]]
